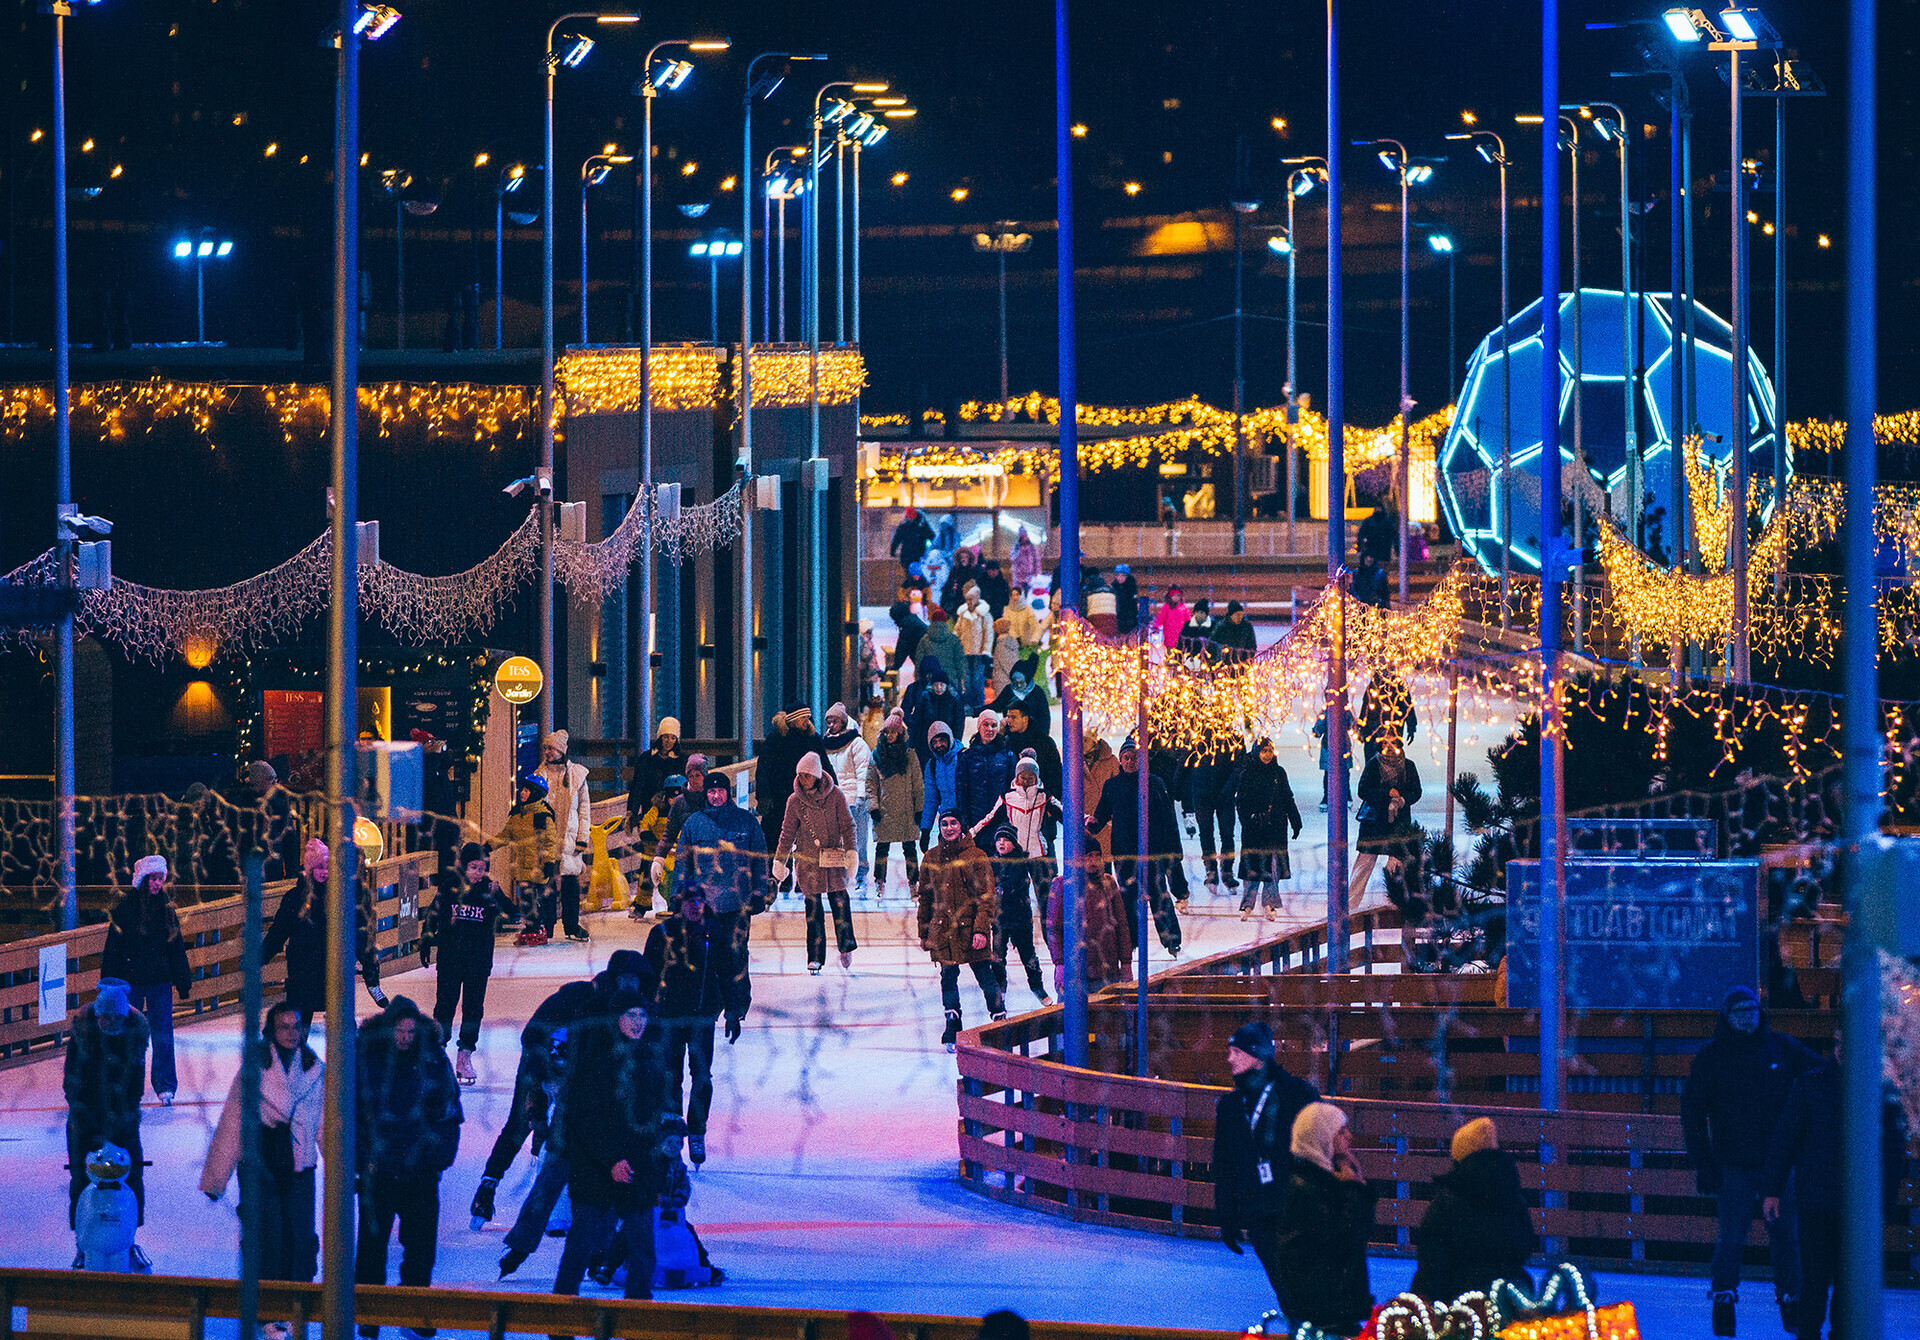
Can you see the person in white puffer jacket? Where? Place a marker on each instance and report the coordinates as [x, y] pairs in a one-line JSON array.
[[1025, 808], [573, 809], [852, 761]]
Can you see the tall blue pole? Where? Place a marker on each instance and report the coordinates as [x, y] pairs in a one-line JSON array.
[[1857, 1303], [336, 1277], [1073, 849], [1336, 522], [63, 783], [1553, 573]]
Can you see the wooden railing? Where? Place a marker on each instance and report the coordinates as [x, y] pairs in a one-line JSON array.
[[1410, 1058], [213, 932], [81, 1304]]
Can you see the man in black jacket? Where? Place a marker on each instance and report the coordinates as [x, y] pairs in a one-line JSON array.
[[1734, 1096], [696, 968], [1252, 1143], [1167, 881], [1210, 782], [910, 538], [791, 739], [1806, 1148], [984, 770], [462, 925], [407, 1133]]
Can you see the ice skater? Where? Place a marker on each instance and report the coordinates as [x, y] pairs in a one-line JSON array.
[[696, 970], [461, 926], [1267, 812], [146, 950], [105, 1075], [957, 908], [300, 928], [1016, 877]]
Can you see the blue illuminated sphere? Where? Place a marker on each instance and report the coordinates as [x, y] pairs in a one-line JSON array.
[[1469, 464]]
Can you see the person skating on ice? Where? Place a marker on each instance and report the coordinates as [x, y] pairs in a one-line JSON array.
[[104, 1077], [300, 928], [817, 838], [696, 970], [957, 908], [532, 839], [461, 927], [145, 949], [573, 815], [1017, 878]]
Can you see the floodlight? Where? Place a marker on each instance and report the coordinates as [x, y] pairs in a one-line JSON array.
[[697, 249], [838, 110], [577, 52], [1486, 154], [1388, 161], [734, 248], [204, 249], [374, 21], [182, 250], [860, 125], [1680, 23], [874, 137], [1440, 242], [1740, 23], [669, 75], [224, 249], [1420, 173], [695, 211], [1280, 245]]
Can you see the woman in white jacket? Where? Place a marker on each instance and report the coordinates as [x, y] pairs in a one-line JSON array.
[[852, 760], [1025, 808], [292, 1087]]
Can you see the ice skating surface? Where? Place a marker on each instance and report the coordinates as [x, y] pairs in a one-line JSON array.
[[831, 1173]]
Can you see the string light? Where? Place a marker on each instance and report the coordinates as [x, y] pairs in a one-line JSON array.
[[783, 378], [607, 381]]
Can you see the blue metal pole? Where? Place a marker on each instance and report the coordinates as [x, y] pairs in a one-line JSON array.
[[1336, 522], [1857, 1302], [1073, 848], [1553, 572], [64, 769]]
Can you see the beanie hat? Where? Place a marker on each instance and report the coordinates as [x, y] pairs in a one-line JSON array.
[[112, 999], [696, 763], [316, 849], [1234, 607], [626, 963], [1006, 831], [148, 865], [895, 717], [1475, 1136], [799, 718], [838, 710], [668, 726], [866, 625], [558, 737], [938, 615], [809, 765], [1313, 1132], [973, 589], [472, 852], [1254, 1038], [720, 781], [1026, 764], [260, 775], [988, 714]]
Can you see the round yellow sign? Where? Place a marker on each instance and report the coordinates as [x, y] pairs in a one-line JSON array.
[[518, 680]]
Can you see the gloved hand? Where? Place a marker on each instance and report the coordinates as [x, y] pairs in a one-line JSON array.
[[539, 1140], [1296, 832], [779, 872], [379, 996], [659, 872], [926, 840], [547, 870], [426, 953], [1232, 1238], [979, 942], [876, 815], [733, 1029]]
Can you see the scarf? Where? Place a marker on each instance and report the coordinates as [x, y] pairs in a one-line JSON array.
[[841, 739]]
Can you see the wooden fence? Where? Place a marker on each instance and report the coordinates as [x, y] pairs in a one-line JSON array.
[[213, 934], [1409, 1058], [86, 1305]]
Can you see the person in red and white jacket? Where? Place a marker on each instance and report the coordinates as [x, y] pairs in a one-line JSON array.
[[1025, 808]]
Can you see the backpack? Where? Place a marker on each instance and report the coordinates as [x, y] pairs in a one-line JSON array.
[[679, 1261]]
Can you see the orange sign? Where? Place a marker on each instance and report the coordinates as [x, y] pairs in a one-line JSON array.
[[518, 680]]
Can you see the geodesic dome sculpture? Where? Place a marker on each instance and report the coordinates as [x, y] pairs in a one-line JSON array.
[[1469, 465]]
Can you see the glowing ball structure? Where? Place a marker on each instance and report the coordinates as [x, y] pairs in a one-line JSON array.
[[1469, 476]]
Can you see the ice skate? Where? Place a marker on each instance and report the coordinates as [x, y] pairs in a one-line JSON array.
[[814, 968], [141, 1265], [578, 936], [953, 1030], [463, 1067], [531, 938], [511, 1260], [846, 960], [481, 1211], [696, 1149], [1723, 1312], [166, 1098]]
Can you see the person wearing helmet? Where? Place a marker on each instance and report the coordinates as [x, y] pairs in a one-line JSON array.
[[532, 839]]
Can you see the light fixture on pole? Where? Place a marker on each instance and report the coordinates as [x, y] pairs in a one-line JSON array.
[[1243, 203], [713, 250], [894, 110], [1005, 240], [594, 170], [757, 87], [396, 183], [1393, 156], [1493, 150], [578, 48], [201, 250], [512, 178], [1441, 244], [785, 179], [657, 76], [1307, 173], [1613, 129]]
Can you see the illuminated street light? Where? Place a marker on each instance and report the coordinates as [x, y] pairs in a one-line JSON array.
[[1493, 151], [1280, 245], [200, 251], [1681, 24], [593, 171]]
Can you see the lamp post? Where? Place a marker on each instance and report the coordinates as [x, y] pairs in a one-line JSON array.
[[1336, 700], [200, 251], [1299, 183], [1441, 244], [1243, 204], [1006, 240], [511, 179], [395, 181], [592, 172], [1497, 156], [571, 58], [714, 250], [782, 185], [1393, 157], [1613, 128], [762, 87], [667, 76]]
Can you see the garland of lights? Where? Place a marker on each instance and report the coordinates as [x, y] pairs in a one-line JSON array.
[[607, 381], [1505, 1311], [419, 609]]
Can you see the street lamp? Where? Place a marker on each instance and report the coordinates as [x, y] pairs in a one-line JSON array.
[[1442, 245], [1613, 129], [1393, 157], [593, 171], [512, 178], [396, 182], [200, 251], [1005, 240], [891, 110], [782, 181], [1243, 204], [551, 64], [1308, 172], [762, 86], [713, 250], [1493, 150]]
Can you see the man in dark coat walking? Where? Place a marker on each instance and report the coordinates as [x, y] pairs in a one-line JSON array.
[[1252, 1138], [696, 969], [910, 539], [1166, 880], [1734, 1095]]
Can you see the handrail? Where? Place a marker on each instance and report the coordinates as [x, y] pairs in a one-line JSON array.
[[64, 1294]]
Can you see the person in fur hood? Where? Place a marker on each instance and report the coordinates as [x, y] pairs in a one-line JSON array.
[[292, 1094], [407, 1134]]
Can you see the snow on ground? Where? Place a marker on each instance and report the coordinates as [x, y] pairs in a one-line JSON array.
[[831, 1179]]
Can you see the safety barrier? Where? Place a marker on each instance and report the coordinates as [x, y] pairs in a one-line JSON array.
[[86, 1305], [213, 934], [1409, 1058]]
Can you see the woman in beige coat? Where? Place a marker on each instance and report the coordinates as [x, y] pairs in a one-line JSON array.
[[1100, 763], [817, 836]]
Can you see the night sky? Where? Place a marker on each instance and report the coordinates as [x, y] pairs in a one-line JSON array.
[[186, 96]]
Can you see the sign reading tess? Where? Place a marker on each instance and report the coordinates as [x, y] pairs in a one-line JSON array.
[[518, 680]]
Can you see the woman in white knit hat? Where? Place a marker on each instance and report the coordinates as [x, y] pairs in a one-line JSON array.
[[146, 950]]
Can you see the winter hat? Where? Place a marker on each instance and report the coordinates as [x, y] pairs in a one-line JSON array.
[[558, 737], [973, 588], [111, 1000], [988, 714], [1313, 1132], [938, 615], [799, 719], [1254, 1038], [625, 963], [668, 726], [809, 765], [472, 852], [936, 730], [935, 675], [866, 1326], [623, 1000], [866, 625], [1473, 1137], [838, 710], [1234, 607], [315, 850], [1006, 831], [895, 718], [148, 865], [1122, 570], [260, 775], [1202, 605], [696, 763], [1026, 765], [1003, 625], [718, 781]]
